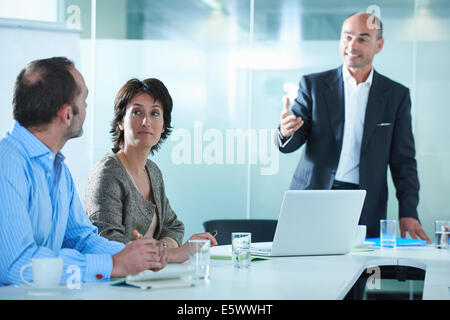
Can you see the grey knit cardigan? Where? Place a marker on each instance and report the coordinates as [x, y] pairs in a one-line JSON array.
[[116, 207]]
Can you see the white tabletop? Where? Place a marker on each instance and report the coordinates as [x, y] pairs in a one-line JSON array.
[[287, 278]]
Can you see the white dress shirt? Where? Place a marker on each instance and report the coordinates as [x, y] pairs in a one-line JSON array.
[[356, 96]]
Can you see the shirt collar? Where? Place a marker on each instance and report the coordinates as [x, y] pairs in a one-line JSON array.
[[348, 78], [32, 145]]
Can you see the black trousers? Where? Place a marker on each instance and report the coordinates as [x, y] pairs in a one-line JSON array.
[[340, 185]]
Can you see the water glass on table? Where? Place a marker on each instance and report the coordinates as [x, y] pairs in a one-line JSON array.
[[388, 233], [199, 258], [241, 243], [442, 233]]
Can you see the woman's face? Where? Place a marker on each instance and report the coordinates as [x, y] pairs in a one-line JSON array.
[[143, 122]]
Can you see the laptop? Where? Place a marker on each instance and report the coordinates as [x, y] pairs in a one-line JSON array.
[[315, 222]]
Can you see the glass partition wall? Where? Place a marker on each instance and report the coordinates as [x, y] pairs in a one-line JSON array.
[[228, 64]]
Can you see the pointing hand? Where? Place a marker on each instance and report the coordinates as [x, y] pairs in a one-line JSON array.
[[289, 123]]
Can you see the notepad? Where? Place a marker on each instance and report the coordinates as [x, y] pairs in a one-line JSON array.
[[224, 253], [401, 242], [228, 257], [172, 276]]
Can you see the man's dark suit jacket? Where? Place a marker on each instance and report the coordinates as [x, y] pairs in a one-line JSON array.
[[387, 140]]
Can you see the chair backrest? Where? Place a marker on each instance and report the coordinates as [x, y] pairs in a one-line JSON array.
[[262, 230]]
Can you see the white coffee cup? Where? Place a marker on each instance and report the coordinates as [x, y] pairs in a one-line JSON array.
[[360, 236], [46, 272]]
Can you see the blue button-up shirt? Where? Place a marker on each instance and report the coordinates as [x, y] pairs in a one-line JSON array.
[[41, 214]]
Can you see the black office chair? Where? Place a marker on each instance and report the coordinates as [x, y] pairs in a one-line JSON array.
[[262, 230]]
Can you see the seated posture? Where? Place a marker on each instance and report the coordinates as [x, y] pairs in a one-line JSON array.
[[41, 214], [125, 194]]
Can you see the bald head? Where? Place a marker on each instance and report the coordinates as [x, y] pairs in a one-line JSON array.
[[32, 76], [372, 22], [361, 39]]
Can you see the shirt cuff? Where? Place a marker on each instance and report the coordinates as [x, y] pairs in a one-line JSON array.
[[98, 267], [282, 140]]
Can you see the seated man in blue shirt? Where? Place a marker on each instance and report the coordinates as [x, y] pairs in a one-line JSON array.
[[41, 214]]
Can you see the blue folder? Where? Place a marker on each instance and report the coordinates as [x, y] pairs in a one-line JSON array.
[[401, 242]]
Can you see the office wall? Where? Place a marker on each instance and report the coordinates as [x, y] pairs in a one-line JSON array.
[[227, 65]]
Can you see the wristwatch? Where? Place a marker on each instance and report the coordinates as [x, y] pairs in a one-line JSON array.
[[164, 244]]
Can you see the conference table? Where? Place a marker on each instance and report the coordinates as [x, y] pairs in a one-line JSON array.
[[326, 277]]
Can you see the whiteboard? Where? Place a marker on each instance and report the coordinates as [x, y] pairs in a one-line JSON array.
[[20, 45]]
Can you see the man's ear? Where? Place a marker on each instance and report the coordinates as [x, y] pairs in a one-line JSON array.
[[65, 114], [380, 44]]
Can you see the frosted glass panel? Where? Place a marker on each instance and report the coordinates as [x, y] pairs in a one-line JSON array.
[[228, 65], [41, 10], [204, 160], [431, 111]]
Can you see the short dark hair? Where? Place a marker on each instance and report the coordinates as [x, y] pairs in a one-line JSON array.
[[377, 21], [133, 87], [41, 88]]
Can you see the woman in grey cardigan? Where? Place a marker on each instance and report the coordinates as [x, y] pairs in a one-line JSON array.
[[125, 190]]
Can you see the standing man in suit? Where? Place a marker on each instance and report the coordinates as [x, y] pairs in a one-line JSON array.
[[355, 122]]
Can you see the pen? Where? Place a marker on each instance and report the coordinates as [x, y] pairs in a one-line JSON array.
[[214, 233], [137, 234]]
